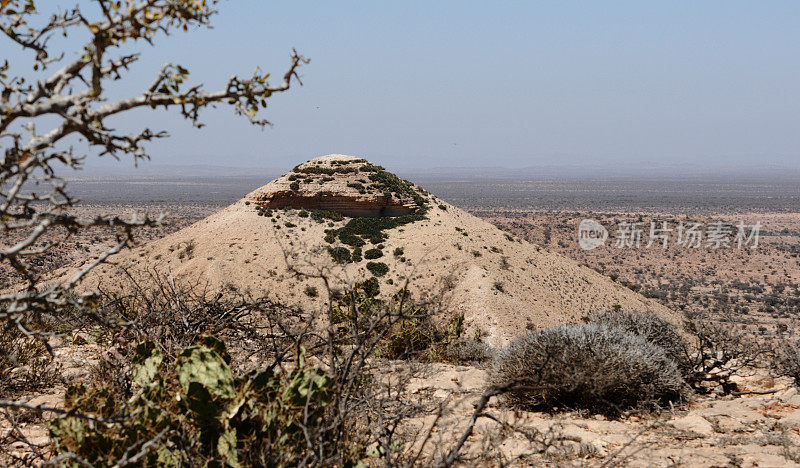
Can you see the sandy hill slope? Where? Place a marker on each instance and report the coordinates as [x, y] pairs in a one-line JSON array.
[[353, 220]]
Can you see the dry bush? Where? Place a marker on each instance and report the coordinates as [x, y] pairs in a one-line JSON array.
[[655, 330], [127, 404], [25, 363], [408, 330], [175, 314], [468, 352], [787, 361], [722, 351], [585, 366]]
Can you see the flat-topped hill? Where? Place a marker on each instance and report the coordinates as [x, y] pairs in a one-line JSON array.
[[345, 184], [353, 220]]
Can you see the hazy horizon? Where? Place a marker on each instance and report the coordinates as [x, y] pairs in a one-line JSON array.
[[500, 84], [158, 170]]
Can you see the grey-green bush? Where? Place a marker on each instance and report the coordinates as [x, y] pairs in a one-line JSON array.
[[653, 329], [587, 366], [468, 352]]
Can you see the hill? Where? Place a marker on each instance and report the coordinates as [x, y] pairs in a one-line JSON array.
[[351, 220]]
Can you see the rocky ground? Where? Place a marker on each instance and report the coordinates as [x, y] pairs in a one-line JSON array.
[[759, 426]]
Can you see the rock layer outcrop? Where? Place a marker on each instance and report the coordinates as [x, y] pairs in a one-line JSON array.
[[337, 183]]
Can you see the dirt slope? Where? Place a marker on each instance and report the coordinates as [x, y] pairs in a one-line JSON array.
[[501, 283]]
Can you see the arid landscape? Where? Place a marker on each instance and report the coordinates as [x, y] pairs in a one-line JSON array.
[[756, 289], [497, 234]]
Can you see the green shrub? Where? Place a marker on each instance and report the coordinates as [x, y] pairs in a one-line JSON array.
[[372, 229], [320, 215], [586, 366], [398, 251], [303, 214], [378, 268], [372, 254], [357, 186], [326, 170], [196, 412], [294, 186], [349, 238], [340, 254]]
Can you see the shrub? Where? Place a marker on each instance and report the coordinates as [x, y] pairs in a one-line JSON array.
[[195, 411], [398, 251], [585, 366], [350, 239], [653, 329], [340, 254], [372, 229], [294, 186], [25, 364], [372, 254], [417, 336], [467, 352], [356, 257], [378, 268], [722, 351], [357, 186], [787, 361], [320, 215]]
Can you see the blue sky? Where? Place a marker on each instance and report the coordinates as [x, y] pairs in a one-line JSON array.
[[514, 84]]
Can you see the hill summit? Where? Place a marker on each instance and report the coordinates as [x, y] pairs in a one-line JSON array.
[[348, 185], [352, 220]]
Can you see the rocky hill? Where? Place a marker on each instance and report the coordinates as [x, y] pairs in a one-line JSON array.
[[351, 220]]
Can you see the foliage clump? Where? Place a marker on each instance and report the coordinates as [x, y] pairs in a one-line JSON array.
[[586, 366], [378, 268], [357, 230], [321, 215], [340, 254], [196, 411], [372, 254]]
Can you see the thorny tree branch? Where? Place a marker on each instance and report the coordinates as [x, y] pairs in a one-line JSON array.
[[69, 96]]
